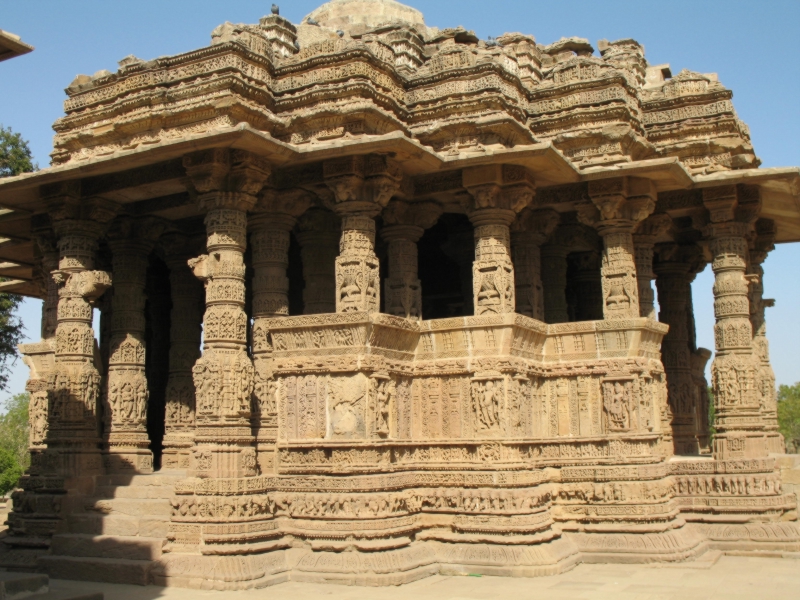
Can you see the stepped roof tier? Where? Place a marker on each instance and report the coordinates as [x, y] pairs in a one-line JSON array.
[[367, 76]]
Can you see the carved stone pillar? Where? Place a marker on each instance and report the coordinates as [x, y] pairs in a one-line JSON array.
[[361, 186], [674, 268], [39, 356], [318, 233], [762, 244], [271, 224], [643, 241], [529, 232], [186, 318], [127, 442], [404, 225], [226, 183], [496, 194], [739, 421], [621, 204], [74, 382]]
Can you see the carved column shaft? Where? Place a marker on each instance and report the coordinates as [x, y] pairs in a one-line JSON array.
[[127, 392], [734, 372], [226, 184], [645, 276], [39, 357], [403, 288], [674, 293], [269, 243], [361, 187], [761, 246], [493, 271], [318, 235], [185, 332], [496, 194], [404, 225], [357, 268], [530, 231], [621, 204], [643, 241], [271, 227], [74, 383], [527, 275]]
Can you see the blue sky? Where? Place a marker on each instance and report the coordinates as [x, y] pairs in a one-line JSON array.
[[751, 45]]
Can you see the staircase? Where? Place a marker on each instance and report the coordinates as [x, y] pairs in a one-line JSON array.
[[15, 586], [116, 535]]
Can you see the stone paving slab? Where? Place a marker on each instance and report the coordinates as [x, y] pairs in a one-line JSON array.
[[730, 578]]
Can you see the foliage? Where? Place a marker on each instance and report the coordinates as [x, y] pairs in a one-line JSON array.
[[10, 471], [15, 154], [789, 415], [14, 455]]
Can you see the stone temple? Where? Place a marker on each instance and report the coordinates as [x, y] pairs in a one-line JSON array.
[[376, 301]]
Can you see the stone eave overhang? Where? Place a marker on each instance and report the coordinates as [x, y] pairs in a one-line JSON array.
[[12, 46], [19, 196]]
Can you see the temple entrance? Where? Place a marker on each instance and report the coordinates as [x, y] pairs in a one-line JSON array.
[[445, 272], [157, 325]]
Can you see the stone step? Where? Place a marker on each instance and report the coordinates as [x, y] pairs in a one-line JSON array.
[[136, 492], [68, 595], [106, 546], [132, 507], [156, 479], [107, 570], [97, 524], [20, 585]]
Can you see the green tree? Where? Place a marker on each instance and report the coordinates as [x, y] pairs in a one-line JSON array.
[[15, 154], [789, 415], [14, 455]]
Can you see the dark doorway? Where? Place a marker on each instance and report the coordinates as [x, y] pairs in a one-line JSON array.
[[446, 254], [295, 274], [157, 324]]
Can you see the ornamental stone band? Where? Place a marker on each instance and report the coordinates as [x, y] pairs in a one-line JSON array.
[[381, 300]]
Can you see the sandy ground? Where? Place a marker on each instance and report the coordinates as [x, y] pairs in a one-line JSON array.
[[729, 578]]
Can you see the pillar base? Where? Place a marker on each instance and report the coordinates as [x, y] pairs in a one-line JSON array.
[[177, 452], [223, 461], [741, 445], [128, 460]]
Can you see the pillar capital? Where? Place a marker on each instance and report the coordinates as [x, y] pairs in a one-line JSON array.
[[362, 184], [618, 204], [651, 229], [726, 203], [535, 226], [138, 234], [280, 207], [408, 221], [496, 193], [222, 178]]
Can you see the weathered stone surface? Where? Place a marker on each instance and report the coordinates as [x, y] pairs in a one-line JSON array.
[[333, 426]]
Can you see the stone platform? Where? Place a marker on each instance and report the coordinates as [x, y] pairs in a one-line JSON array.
[[728, 577]]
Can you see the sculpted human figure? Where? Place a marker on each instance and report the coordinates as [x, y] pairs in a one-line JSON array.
[[350, 291], [489, 295], [489, 404], [617, 296], [382, 409]]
